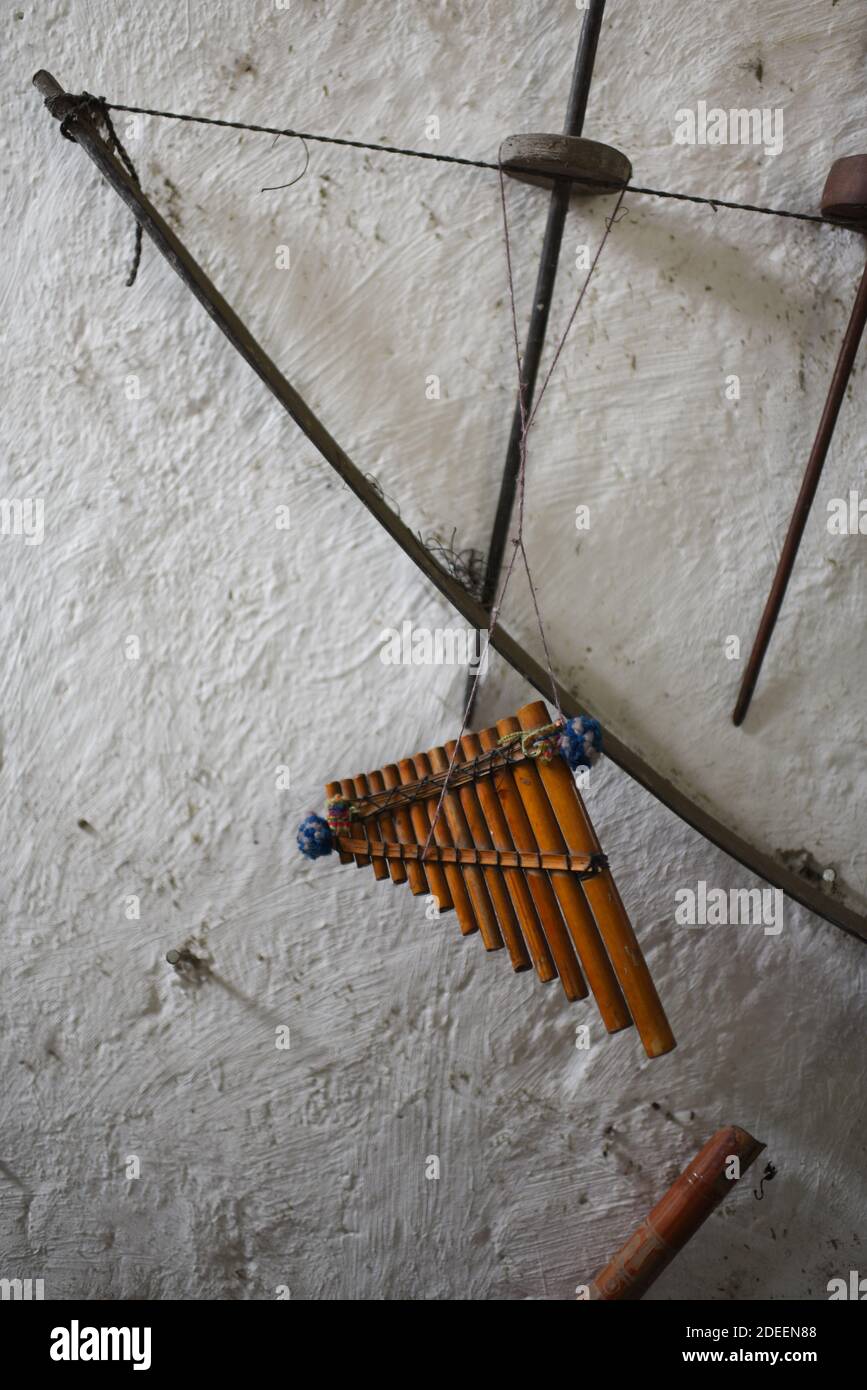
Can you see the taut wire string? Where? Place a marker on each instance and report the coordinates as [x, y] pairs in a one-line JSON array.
[[447, 159]]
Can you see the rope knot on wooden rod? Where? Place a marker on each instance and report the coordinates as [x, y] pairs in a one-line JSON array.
[[68, 108]]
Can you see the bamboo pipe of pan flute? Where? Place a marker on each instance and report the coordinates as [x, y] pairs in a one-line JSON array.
[[687, 1204], [347, 789], [515, 879], [386, 828], [494, 878], [415, 872], [474, 877], [442, 836], [333, 789], [602, 895], [366, 829], [420, 821], [573, 904], [538, 882]]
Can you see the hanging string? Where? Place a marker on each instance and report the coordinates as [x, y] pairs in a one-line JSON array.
[[276, 187], [100, 108], [518, 546], [453, 159]]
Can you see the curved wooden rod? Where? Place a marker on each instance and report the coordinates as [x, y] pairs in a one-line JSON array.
[[82, 130]]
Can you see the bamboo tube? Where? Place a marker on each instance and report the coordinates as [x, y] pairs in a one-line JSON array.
[[494, 880], [333, 789], [367, 828], [687, 1204], [403, 825], [442, 836], [347, 789], [573, 904], [515, 880], [420, 820], [474, 877], [385, 826], [543, 896], [602, 895]]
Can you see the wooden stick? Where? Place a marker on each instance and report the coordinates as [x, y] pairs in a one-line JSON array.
[[442, 836], [405, 833], [573, 904], [494, 879], [367, 828], [602, 895], [538, 882], [516, 882], [420, 820], [687, 1204], [812, 477], [473, 875], [386, 828]]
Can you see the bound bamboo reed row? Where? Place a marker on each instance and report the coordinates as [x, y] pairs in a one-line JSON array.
[[514, 853]]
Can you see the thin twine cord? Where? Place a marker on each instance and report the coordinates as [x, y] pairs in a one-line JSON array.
[[86, 101], [518, 545], [456, 159], [275, 187]]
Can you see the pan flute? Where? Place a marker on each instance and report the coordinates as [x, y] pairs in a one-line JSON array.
[[504, 840]]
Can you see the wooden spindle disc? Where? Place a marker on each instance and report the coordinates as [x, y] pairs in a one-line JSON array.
[[589, 166], [844, 197]]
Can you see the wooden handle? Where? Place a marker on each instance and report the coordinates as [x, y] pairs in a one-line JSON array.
[[687, 1204]]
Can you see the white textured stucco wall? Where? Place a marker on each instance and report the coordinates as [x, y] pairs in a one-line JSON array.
[[260, 648]]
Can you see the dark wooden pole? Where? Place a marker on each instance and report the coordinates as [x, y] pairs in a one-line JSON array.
[[557, 209], [844, 201], [83, 132], [839, 382]]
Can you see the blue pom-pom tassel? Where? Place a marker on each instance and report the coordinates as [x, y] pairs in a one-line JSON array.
[[314, 837], [581, 741]]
